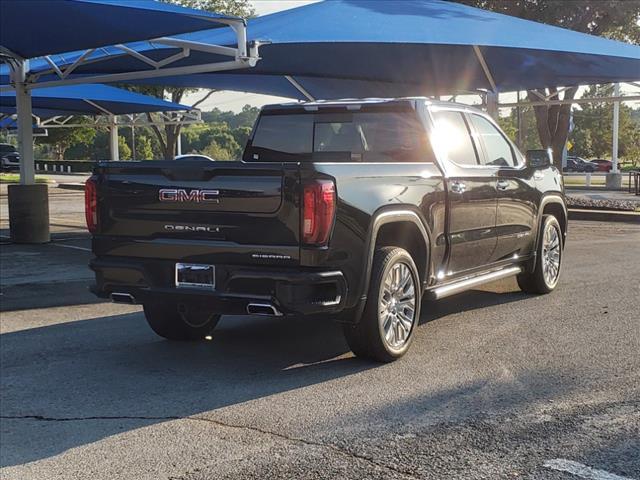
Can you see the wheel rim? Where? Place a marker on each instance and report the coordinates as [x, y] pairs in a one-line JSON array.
[[551, 252], [397, 306]]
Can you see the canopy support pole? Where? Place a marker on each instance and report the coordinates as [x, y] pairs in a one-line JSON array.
[[492, 105], [616, 129], [133, 141], [300, 88], [179, 144], [25, 124], [113, 139], [28, 201]]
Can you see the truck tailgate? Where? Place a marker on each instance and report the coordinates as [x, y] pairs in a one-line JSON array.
[[200, 200]]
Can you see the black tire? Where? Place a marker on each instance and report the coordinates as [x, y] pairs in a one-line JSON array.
[[367, 338], [535, 282], [175, 322]]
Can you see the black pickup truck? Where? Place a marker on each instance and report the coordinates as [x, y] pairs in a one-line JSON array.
[[355, 210]]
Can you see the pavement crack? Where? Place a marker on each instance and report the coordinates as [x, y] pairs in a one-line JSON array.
[[309, 443], [42, 418], [301, 441]]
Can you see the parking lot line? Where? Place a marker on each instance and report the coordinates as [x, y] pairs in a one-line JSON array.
[[71, 246], [580, 470]]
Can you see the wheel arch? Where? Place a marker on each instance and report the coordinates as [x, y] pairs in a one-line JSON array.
[[556, 206], [553, 204], [380, 229]]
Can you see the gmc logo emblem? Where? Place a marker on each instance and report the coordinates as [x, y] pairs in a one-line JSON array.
[[179, 195]]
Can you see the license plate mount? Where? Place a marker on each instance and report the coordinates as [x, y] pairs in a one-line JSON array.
[[195, 275]]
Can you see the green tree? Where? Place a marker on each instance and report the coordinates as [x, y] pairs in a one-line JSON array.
[[241, 135], [217, 152], [245, 118], [220, 134], [60, 139], [529, 133], [124, 150], [144, 151], [167, 136], [593, 133], [615, 19]]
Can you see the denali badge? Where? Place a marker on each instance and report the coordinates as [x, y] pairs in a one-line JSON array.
[[191, 228], [179, 195]]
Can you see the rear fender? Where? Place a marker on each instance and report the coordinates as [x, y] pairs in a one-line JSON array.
[[384, 216]]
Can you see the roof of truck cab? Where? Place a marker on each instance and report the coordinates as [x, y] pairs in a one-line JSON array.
[[366, 101]]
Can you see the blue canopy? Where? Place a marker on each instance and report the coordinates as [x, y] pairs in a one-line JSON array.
[[32, 28], [409, 47], [88, 100]]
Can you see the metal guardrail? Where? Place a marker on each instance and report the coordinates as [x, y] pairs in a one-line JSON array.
[[64, 166]]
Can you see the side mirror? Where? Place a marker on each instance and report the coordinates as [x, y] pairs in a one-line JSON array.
[[539, 158]]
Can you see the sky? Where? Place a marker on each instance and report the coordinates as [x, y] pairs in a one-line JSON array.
[[234, 101]]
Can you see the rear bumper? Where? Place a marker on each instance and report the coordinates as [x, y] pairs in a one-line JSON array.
[[299, 291]]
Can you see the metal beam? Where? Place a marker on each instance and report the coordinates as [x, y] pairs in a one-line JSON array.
[[300, 88], [144, 74], [189, 117], [618, 98], [485, 68], [243, 57], [98, 107]]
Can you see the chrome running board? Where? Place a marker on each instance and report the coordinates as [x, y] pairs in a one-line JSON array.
[[470, 282]]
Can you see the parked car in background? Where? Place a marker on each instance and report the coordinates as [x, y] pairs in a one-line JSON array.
[[603, 165], [577, 164], [194, 156], [9, 157]]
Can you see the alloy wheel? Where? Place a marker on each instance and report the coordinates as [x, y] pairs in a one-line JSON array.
[[551, 252], [397, 306]]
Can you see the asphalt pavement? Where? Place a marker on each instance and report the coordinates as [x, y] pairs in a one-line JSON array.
[[497, 385]]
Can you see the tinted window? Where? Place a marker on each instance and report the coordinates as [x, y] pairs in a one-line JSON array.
[[452, 138], [282, 134], [498, 150], [381, 136]]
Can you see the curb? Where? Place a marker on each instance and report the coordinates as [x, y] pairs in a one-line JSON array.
[[71, 186], [604, 215], [582, 188]]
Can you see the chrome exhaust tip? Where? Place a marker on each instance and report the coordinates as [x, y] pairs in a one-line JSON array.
[[125, 298], [264, 309]]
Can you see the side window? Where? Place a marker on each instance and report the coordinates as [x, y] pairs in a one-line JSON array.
[[499, 152], [452, 138]]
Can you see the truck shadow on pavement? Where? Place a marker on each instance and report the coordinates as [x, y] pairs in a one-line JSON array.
[[75, 383]]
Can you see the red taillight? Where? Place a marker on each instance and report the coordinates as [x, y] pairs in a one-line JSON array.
[[318, 211], [91, 205]]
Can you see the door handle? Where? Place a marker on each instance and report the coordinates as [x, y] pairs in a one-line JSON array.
[[502, 184], [458, 187]]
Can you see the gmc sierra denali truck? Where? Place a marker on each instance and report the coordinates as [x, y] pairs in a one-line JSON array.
[[356, 210]]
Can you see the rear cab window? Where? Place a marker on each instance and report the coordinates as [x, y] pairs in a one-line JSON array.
[[339, 134]]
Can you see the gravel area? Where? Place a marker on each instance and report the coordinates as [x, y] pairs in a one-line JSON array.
[[608, 204]]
